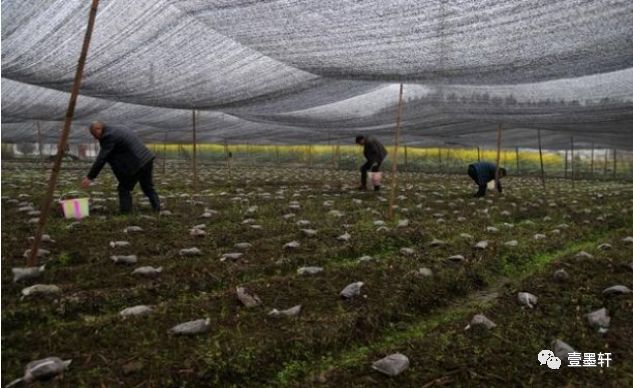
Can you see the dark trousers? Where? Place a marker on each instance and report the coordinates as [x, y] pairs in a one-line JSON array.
[[369, 165], [126, 185], [472, 172]]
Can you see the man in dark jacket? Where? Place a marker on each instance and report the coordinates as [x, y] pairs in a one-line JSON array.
[[484, 172], [130, 161], [375, 153]]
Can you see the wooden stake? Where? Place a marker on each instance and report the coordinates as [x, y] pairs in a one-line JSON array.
[[516, 150], [39, 140], [406, 158], [63, 139], [164, 152], [394, 168], [592, 150], [572, 162], [540, 153], [439, 156], [478, 154], [606, 162], [195, 152], [566, 161], [310, 155], [615, 163], [498, 152]]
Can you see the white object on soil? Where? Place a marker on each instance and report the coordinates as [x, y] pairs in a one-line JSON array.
[[192, 327], [616, 290], [291, 312], [190, 252], [481, 320], [248, 298], [136, 311], [119, 244], [309, 270], [26, 273], [129, 259], [527, 299], [43, 369], [392, 365], [148, 271], [351, 290], [41, 289]]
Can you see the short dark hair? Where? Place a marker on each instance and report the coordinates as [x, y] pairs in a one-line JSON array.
[[502, 171], [359, 138]]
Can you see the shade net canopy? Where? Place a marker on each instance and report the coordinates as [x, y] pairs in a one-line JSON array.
[[323, 71]]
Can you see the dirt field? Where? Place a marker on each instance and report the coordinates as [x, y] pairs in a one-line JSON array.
[[333, 341]]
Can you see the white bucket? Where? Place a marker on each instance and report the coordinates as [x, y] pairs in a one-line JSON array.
[[76, 208]]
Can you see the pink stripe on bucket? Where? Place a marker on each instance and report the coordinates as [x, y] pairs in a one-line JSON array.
[[77, 209]]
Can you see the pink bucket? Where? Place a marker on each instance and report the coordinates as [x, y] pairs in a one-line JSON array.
[[376, 177]]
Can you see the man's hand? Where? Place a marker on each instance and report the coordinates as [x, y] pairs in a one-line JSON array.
[[85, 183]]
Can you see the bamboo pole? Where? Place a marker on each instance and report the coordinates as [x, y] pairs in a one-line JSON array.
[[439, 157], [516, 150], [63, 139], [164, 152], [592, 151], [394, 168], [39, 140], [478, 154], [540, 153], [573, 184], [615, 163], [195, 152], [566, 161], [606, 162], [498, 153], [310, 155], [406, 158]]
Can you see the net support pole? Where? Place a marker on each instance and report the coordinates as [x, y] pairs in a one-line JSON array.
[[566, 161], [394, 167], [540, 154], [310, 155], [615, 163], [39, 141], [228, 156], [406, 158], [478, 154], [516, 151], [498, 152], [592, 151], [164, 152], [63, 139], [606, 162], [195, 152], [573, 181]]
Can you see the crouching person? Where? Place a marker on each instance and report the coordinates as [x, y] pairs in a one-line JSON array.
[[130, 160], [484, 172]]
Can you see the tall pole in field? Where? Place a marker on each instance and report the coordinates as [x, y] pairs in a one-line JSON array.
[[516, 150], [498, 152], [572, 162], [540, 153], [39, 141], [592, 150], [566, 161], [394, 168], [615, 163], [164, 152], [195, 153], [63, 139], [606, 162], [478, 154], [406, 159]]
